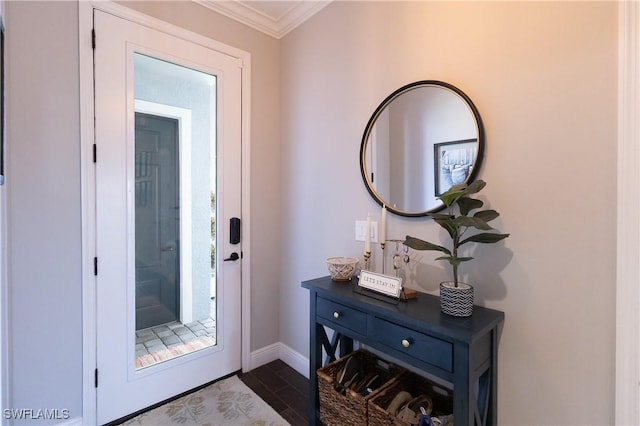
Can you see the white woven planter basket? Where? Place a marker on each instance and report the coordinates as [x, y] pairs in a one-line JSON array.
[[456, 301]]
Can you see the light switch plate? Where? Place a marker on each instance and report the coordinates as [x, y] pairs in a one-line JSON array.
[[361, 230]]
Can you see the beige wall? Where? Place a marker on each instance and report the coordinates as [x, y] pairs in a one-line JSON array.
[[44, 264], [543, 76]]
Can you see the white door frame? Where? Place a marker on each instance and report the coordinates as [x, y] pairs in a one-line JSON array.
[[183, 116], [89, 393], [4, 327], [627, 388], [4, 318]]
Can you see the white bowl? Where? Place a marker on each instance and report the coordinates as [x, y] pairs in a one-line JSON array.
[[342, 268]]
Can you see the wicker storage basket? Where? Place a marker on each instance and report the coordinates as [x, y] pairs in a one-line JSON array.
[[350, 409], [416, 385]]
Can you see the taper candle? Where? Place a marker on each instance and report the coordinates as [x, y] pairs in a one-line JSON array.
[[383, 229], [367, 240]]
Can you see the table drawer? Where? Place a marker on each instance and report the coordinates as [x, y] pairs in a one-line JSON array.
[[420, 346], [342, 315]]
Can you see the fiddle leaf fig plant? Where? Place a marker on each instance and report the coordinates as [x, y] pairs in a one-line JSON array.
[[458, 224]]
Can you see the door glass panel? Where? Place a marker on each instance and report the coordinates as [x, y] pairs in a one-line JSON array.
[[175, 210]]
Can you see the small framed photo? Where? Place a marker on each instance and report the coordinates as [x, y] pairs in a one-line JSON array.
[[453, 163], [382, 284]]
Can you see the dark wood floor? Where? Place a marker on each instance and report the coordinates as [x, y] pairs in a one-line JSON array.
[[283, 388]]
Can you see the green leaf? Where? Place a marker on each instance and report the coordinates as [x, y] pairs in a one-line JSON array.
[[485, 238], [441, 216], [418, 244], [461, 187], [475, 187], [466, 204], [454, 193], [449, 225], [487, 215], [454, 261], [448, 258], [472, 222], [451, 195]]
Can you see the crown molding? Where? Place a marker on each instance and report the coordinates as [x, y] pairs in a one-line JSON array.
[[275, 27]]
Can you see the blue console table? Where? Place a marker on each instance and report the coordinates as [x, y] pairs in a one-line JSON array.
[[461, 351]]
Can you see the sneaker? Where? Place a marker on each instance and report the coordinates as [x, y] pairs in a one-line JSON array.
[[372, 384], [412, 410], [443, 420], [398, 402]]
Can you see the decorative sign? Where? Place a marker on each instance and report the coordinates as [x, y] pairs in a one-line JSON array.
[[383, 284]]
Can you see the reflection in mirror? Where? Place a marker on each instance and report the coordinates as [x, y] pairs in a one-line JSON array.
[[422, 139]]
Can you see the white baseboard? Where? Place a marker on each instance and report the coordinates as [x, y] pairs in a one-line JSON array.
[[280, 351], [264, 356], [295, 360]]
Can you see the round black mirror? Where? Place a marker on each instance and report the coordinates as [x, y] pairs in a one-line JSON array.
[[421, 140]]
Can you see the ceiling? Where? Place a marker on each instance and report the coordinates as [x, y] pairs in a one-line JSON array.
[[275, 18]]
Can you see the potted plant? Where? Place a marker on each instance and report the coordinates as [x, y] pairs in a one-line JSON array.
[[456, 298]]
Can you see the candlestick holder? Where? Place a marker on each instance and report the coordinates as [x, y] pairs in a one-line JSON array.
[[396, 259], [382, 245], [367, 256]]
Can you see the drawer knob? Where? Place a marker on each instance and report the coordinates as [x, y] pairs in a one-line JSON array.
[[406, 343], [336, 314]]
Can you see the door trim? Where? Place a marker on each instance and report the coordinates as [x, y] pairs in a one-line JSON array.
[[627, 379], [184, 129], [89, 338]]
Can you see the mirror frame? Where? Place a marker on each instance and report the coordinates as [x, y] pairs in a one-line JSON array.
[[367, 132]]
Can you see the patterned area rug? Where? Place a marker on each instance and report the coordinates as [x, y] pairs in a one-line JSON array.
[[226, 403]]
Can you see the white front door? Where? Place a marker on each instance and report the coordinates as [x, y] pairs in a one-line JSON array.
[[168, 173]]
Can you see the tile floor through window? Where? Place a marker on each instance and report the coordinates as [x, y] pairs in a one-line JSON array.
[[167, 341]]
